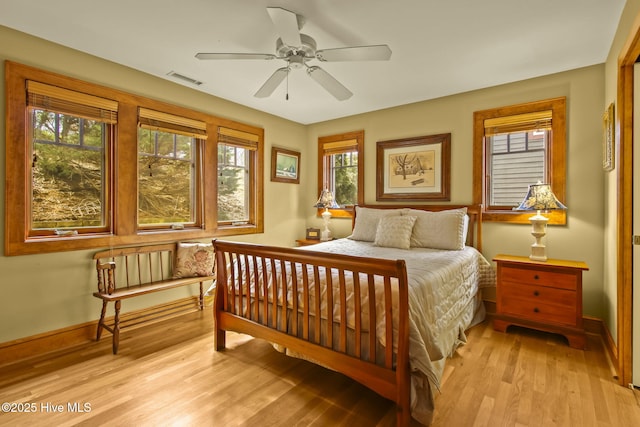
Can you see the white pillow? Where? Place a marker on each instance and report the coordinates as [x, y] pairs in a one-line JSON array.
[[439, 230], [394, 231], [367, 222]]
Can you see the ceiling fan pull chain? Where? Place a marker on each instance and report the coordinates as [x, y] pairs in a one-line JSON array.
[[287, 96]]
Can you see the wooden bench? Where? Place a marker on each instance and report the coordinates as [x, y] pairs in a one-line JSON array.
[[133, 271]]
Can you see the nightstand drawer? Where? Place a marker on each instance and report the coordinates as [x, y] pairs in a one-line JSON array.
[[538, 311], [539, 303], [543, 294], [539, 277]]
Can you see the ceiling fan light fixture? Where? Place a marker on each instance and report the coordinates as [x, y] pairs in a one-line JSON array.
[[307, 47], [296, 61]]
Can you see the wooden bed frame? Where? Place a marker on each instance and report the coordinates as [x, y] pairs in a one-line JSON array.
[[291, 324]]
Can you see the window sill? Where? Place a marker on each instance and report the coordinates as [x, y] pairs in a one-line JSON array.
[[230, 230], [519, 217], [339, 213]]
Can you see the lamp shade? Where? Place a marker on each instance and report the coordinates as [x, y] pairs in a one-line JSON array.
[[540, 198], [326, 200]]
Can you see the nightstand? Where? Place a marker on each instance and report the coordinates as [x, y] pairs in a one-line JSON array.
[[543, 295]]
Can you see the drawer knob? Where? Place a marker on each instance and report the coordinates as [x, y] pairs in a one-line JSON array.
[[535, 310], [536, 293], [536, 277]]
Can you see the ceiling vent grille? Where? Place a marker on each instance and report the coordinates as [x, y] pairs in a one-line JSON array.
[[184, 78]]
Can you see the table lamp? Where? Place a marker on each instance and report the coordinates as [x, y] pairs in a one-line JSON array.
[[539, 198], [327, 202]]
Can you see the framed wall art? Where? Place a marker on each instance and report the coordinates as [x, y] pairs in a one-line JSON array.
[[414, 168], [313, 233], [285, 165], [608, 138]]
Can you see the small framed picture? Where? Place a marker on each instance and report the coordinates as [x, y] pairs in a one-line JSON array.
[[609, 138], [313, 233], [285, 165]]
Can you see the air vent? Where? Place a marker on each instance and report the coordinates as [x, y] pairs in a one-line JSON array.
[[184, 78]]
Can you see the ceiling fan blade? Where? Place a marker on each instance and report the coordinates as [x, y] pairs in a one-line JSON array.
[[380, 52], [328, 82], [286, 23], [272, 83], [235, 56]]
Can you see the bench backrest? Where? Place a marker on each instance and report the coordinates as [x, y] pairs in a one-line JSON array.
[[134, 266]]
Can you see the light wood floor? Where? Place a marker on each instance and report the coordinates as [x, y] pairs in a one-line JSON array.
[[168, 374]]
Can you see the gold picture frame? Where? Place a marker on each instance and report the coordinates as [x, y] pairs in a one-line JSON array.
[[414, 168], [609, 138], [285, 165]]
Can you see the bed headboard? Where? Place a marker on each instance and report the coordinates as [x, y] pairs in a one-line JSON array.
[[474, 236]]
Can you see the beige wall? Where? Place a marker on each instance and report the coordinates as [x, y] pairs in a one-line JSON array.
[[45, 292], [581, 239]]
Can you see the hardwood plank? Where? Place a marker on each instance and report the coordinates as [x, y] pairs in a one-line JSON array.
[[169, 374]]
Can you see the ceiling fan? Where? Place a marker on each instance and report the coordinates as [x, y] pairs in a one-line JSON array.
[[297, 49]]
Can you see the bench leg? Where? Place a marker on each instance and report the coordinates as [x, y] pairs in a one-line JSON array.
[[201, 299], [101, 322], [116, 327]]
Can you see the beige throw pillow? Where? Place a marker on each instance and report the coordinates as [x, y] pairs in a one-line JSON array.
[[394, 232], [194, 260]]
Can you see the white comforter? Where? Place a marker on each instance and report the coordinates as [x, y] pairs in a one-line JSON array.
[[443, 303]]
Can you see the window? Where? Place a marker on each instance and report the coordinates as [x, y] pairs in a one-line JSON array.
[[239, 166], [69, 138], [341, 169], [514, 147], [515, 158], [89, 166], [168, 175]]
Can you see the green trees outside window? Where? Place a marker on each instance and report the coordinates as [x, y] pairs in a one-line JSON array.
[[67, 171]]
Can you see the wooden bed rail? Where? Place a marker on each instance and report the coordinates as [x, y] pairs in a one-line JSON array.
[[280, 295]]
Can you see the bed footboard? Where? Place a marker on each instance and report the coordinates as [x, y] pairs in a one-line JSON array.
[[347, 313]]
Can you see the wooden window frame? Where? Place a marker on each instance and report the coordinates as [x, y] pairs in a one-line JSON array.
[[176, 125], [324, 168], [556, 158], [254, 143], [124, 163], [107, 199]]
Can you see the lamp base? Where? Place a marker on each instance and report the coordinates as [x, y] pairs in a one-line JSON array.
[[538, 252], [325, 234], [539, 229]]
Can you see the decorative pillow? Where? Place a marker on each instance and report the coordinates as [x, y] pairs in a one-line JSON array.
[[367, 222], [194, 259], [394, 231], [439, 230]]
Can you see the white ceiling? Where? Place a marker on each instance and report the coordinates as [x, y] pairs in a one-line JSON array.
[[440, 47]]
